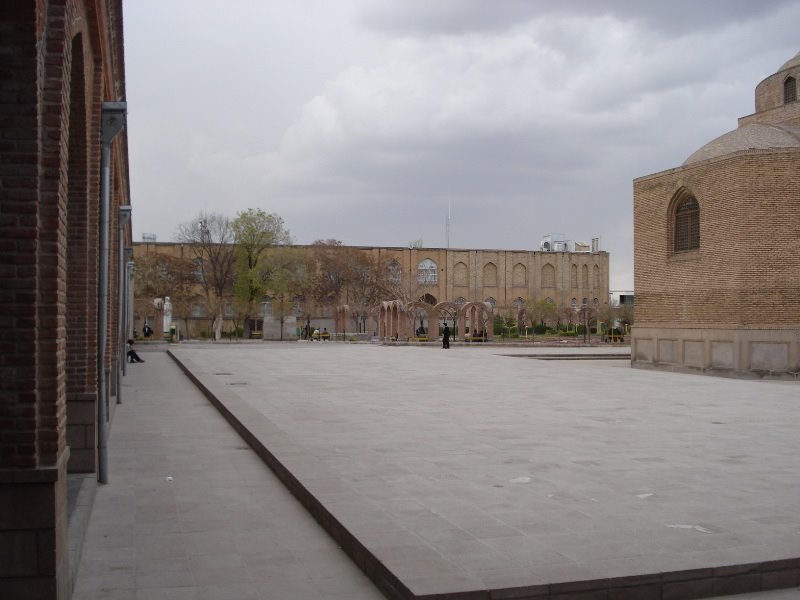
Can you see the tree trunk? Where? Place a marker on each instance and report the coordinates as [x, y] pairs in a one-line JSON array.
[[218, 326]]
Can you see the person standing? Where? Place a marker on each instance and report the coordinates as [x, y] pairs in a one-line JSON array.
[[446, 337]]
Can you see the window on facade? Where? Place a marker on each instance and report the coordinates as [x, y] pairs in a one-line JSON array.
[[460, 274], [520, 275], [460, 301], [427, 272], [395, 271], [585, 276], [574, 303], [573, 276], [687, 225], [596, 271], [491, 301], [548, 276], [490, 274], [789, 90]]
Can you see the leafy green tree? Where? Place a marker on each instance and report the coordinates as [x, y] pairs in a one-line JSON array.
[[288, 272], [255, 232], [543, 312]]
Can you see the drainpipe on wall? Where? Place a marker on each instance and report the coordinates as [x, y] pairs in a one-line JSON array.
[[112, 121], [122, 221]]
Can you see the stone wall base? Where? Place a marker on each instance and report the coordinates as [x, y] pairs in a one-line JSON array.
[[726, 352], [34, 562]]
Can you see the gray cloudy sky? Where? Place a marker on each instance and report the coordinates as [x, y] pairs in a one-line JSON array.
[[360, 120]]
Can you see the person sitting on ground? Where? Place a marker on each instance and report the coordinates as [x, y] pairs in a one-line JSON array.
[[132, 355]]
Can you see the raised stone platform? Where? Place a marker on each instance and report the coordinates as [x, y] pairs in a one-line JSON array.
[[469, 474]]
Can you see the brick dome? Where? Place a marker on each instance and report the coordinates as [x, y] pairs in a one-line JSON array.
[[791, 63], [755, 136]]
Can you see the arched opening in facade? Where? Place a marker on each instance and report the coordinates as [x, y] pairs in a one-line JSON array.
[[549, 276], [427, 272], [519, 277], [686, 225], [81, 288], [420, 317], [477, 320], [490, 275], [428, 299], [447, 312], [789, 90]]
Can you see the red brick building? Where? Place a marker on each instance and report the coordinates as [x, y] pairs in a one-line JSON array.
[[717, 248], [61, 61]]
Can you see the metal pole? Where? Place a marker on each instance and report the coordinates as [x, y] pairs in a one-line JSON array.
[[124, 216], [112, 122]]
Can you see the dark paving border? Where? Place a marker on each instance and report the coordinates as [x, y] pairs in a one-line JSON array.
[[709, 582]]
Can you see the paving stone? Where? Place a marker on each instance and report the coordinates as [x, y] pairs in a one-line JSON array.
[[601, 470]]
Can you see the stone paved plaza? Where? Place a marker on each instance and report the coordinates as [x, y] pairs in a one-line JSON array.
[[471, 470]]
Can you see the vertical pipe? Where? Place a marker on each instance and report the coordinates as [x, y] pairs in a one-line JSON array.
[[111, 123], [102, 321], [120, 291]]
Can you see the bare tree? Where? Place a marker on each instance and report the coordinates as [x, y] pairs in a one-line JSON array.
[[161, 275], [346, 275], [210, 238]]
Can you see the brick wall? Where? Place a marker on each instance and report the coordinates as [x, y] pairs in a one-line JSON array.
[[57, 67], [746, 270]]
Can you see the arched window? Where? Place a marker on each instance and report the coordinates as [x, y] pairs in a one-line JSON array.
[[460, 301], [687, 225], [548, 276], [460, 274], [574, 303], [596, 277], [395, 271], [490, 274], [520, 275], [789, 90], [491, 301], [427, 272], [585, 276], [519, 303], [573, 276]]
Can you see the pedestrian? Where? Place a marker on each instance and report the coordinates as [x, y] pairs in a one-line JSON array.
[[132, 355], [446, 337]]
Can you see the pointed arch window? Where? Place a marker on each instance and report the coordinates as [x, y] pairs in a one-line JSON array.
[[789, 90], [395, 272], [687, 225], [427, 272]]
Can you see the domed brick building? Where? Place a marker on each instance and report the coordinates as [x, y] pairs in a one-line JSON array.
[[717, 248]]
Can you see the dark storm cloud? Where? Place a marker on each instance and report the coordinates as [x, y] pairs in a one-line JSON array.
[[363, 121]]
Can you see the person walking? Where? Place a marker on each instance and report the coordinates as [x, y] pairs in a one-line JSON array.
[[446, 337]]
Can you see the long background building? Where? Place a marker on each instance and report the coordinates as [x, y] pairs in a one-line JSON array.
[[568, 274]]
